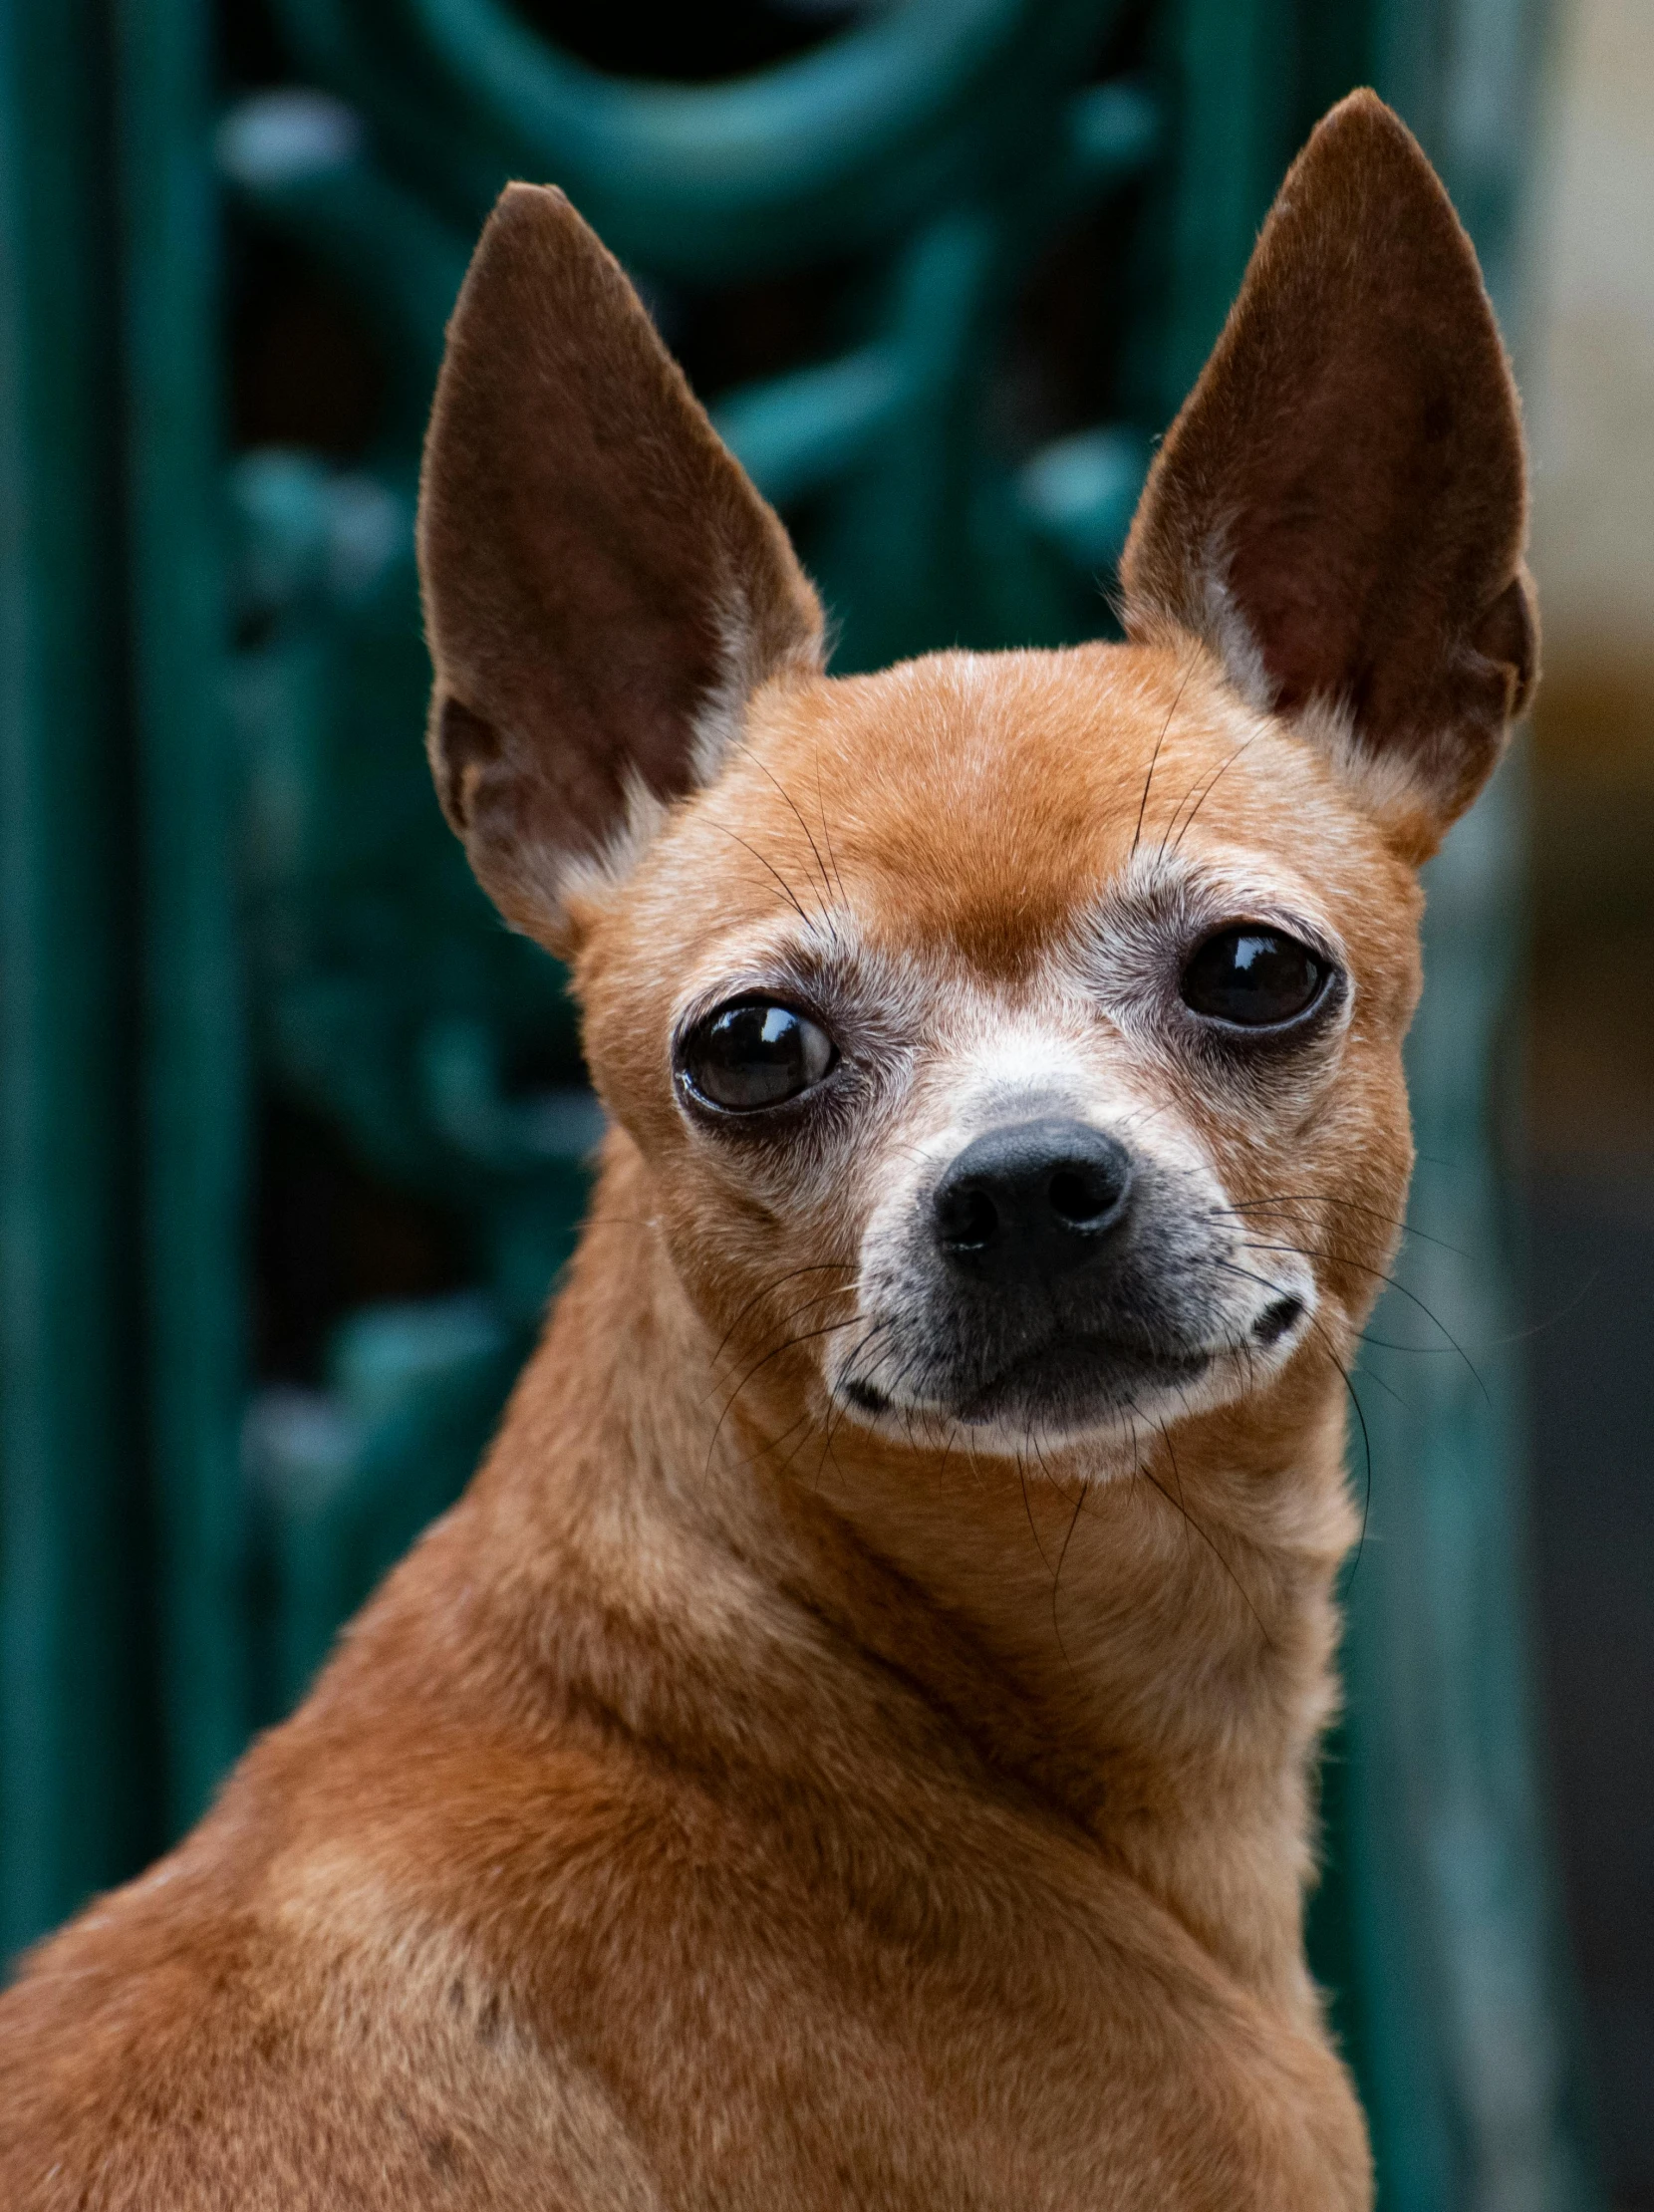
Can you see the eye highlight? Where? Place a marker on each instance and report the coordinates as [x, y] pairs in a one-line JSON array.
[[1253, 977], [752, 1054]]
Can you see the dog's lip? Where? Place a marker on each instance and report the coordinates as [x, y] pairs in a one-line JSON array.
[[1071, 1358]]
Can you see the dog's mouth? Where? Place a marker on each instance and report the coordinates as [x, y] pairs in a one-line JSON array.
[[1072, 1379]]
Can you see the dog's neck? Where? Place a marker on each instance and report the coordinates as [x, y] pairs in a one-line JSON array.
[[1148, 1657]]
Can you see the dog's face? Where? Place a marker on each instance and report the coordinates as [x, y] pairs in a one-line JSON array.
[[1007, 1084], [1014, 1040]]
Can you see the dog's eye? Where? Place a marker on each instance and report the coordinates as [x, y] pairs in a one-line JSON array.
[[1257, 978], [746, 1057]]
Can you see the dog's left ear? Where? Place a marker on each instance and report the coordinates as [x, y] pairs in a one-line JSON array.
[[604, 589], [1339, 511]]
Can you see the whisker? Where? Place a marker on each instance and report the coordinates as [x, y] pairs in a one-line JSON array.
[[857, 1349], [1349, 1205], [1027, 1508], [826, 833], [807, 1336], [1212, 785], [810, 923], [1171, 713], [1339, 1258], [770, 1444], [1068, 1538], [1179, 1507], [794, 1313], [1360, 1414], [1367, 1462], [819, 1268], [821, 866], [1250, 1274]]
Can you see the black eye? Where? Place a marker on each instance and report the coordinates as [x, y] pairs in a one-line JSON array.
[[746, 1057], [1257, 978]]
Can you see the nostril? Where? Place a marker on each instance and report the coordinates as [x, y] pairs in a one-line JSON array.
[[967, 1217], [1084, 1195]]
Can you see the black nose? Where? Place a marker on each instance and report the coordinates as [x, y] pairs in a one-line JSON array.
[[1033, 1200]]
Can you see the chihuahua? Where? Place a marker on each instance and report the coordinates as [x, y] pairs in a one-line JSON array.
[[852, 1745]]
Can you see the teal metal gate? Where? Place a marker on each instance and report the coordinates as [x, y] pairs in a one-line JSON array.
[[225, 889]]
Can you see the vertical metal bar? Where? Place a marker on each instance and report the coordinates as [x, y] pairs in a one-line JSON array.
[[72, 1757], [1231, 63], [195, 1144]]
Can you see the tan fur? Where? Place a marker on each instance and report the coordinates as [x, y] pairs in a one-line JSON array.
[[739, 1800]]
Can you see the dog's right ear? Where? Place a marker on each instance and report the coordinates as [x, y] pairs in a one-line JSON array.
[[1339, 511], [603, 587]]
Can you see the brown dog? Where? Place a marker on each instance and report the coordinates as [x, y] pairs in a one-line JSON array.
[[850, 1747]]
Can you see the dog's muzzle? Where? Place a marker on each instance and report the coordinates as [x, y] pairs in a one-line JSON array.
[[1049, 1278]]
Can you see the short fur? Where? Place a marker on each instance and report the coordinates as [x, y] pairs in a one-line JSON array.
[[778, 1785]]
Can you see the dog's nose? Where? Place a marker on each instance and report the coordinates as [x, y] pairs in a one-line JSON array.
[[1037, 1200]]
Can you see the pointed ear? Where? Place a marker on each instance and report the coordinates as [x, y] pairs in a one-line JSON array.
[[603, 587], [1339, 512]]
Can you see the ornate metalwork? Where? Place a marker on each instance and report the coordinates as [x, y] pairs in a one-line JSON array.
[[304, 923]]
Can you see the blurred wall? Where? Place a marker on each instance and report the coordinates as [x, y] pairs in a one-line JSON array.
[[1590, 1094], [1591, 374]]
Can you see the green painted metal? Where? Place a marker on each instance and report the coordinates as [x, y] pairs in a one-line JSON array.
[[1241, 113], [843, 149], [193, 1118], [349, 964], [303, 158], [71, 1706]]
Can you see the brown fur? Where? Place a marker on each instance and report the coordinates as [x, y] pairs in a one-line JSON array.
[[733, 1803]]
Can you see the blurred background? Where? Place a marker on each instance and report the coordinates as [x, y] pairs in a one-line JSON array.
[[1588, 331], [292, 1133]]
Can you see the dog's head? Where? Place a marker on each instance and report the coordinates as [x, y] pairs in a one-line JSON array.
[[1012, 1041]]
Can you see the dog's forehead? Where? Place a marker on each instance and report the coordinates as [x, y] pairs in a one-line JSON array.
[[981, 800]]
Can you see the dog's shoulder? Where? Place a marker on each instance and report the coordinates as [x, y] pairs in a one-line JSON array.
[[303, 2031]]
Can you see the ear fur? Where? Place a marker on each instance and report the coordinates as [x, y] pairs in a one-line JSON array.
[[1339, 512], [603, 587]]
